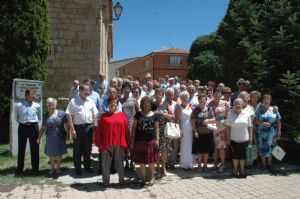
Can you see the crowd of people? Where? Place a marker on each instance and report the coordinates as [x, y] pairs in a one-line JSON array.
[[126, 118]]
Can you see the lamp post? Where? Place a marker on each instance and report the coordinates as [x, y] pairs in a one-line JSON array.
[[118, 11]]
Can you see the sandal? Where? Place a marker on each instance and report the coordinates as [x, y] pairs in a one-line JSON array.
[[235, 174], [51, 172], [151, 182], [142, 182]]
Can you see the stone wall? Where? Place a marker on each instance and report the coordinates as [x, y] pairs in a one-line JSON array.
[[76, 33]]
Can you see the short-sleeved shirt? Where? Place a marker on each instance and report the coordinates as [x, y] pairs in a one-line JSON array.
[[239, 125], [82, 111], [199, 116], [27, 112], [95, 97], [105, 106], [145, 130]]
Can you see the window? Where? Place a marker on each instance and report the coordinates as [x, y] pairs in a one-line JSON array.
[[146, 63], [175, 60]]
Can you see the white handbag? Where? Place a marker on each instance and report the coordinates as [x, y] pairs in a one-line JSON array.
[[278, 152], [172, 130]]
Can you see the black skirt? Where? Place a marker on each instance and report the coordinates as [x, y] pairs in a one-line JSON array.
[[202, 144], [238, 150]]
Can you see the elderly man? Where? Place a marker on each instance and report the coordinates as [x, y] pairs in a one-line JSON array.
[[241, 84], [171, 82], [28, 113], [82, 117], [93, 95], [148, 77], [101, 85], [193, 100], [75, 89]]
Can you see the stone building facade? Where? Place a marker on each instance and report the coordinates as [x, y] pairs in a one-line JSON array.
[[81, 43]]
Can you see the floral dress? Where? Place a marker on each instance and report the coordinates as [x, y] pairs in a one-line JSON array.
[[265, 135], [220, 115], [128, 108], [165, 144]]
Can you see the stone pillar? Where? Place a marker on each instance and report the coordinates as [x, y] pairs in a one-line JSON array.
[[77, 50]]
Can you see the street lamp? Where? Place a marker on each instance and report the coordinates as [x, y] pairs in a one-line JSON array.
[[118, 10]]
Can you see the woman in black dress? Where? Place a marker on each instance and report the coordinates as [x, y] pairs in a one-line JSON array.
[[203, 137], [145, 139]]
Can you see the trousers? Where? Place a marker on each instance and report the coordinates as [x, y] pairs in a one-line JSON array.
[[107, 155], [30, 132], [82, 146]]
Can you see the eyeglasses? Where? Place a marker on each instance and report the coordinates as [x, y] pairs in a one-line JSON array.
[[241, 84], [227, 92]]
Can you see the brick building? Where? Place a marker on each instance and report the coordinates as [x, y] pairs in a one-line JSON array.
[[81, 43], [115, 65], [171, 61]]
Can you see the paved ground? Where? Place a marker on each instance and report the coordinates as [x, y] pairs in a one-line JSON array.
[[283, 183]]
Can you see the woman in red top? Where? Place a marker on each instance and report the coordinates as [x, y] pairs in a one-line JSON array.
[[112, 136]]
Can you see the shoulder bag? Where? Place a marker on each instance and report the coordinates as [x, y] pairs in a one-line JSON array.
[[172, 130]]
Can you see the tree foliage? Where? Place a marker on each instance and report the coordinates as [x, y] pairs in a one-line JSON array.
[[24, 46], [204, 63], [259, 41]]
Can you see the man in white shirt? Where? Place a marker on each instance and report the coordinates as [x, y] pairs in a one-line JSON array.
[[82, 117]]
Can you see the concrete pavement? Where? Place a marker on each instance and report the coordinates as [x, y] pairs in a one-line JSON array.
[[283, 183]]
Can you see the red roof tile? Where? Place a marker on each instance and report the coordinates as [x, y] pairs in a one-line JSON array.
[[172, 50]]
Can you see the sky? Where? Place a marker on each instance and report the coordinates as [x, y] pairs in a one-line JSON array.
[[150, 25]]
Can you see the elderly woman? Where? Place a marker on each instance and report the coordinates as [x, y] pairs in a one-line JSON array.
[[165, 112], [203, 137], [221, 109], [183, 118], [145, 140], [239, 130], [268, 123], [254, 99], [112, 136], [55, 145], [227, 94], [246, 98], [129, 107], [136, 94]]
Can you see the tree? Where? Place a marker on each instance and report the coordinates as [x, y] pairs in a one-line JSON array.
[[259, 40], [24, 46], [203, 61]]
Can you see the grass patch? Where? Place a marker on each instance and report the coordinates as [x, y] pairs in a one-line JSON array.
[[8, 164]]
